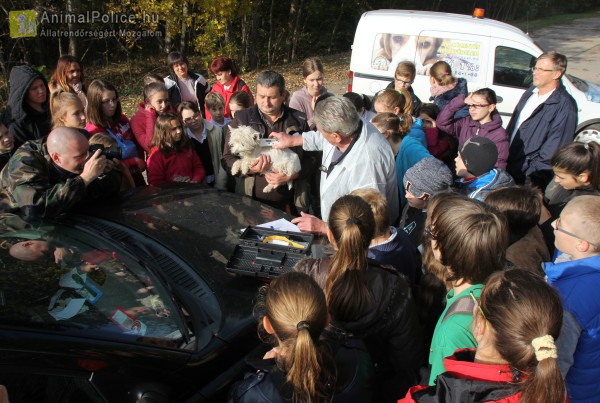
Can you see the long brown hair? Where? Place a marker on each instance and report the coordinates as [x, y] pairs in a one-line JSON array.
[[472, 239], [520, 306], [352, 225], [395, 99], [310, 65], [59, 77], [162, 139], [296, 309], [94, 110]]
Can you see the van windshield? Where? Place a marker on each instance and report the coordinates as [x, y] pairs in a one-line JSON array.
[[58, 278]]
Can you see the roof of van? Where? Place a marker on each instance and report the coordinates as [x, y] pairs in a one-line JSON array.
[[448, 22]]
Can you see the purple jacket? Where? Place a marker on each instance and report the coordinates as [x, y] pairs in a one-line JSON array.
[[466, 128]]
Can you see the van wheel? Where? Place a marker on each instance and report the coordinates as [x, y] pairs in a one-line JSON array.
[[590, 133]]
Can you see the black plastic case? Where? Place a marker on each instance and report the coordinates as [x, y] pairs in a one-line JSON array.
[[253, 257]]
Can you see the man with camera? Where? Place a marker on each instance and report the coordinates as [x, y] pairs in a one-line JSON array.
[[49, 176]]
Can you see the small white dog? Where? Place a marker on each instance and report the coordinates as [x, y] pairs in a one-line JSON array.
[[245, 143]]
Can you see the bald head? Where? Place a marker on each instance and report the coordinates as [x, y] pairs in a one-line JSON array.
[[68, 148], [61, 138], [583, 214]]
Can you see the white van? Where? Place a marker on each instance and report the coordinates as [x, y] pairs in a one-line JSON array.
[[487, 53]]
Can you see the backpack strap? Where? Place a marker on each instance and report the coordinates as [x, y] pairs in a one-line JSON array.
[[462, 306]]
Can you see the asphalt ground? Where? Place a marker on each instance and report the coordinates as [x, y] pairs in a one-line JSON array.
[[579, 40]]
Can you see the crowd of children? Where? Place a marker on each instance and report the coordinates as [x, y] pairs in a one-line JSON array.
[[481, 288]]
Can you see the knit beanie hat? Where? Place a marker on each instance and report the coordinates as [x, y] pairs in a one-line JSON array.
[[479, 155], [429, 175]]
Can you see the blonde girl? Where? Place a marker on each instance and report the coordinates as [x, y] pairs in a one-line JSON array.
[[67, 110], [292, 314]]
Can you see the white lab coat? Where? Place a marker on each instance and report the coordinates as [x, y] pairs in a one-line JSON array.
[[369, 164]]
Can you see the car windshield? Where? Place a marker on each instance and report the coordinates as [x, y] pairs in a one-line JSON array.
[[58, 278], [580, 84]]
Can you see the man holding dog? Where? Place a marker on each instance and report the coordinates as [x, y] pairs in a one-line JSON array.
[[355, 156], [268, 115], [48, 177]]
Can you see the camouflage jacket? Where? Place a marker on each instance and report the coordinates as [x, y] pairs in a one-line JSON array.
[[33, 186]]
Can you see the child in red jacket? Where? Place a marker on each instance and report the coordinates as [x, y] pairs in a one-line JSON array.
[[156, 101], [172, 158]]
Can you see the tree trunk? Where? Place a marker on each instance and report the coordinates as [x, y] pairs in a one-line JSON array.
[[292, 25], [168, 37], [184, 17], [270, 41], [336, 25], [253, 33], [296, 31], [73, 7]]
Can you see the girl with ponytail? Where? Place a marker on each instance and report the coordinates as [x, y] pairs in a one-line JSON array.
[[407, 140], [367, 301], [292, 314], [515, 323]]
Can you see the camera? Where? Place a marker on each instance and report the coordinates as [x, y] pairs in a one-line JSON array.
[[108, 152]]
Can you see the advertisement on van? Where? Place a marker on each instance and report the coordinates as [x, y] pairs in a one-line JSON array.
[[390, 49]]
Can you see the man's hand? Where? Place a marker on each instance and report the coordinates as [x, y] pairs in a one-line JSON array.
[[285, 140], [261, 164], [276, 178], [110, 165], [310, 223], [94, 167]]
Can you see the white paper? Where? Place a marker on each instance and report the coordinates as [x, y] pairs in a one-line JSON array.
[[280, 225]]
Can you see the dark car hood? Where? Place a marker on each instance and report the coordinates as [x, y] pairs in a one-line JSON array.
[[209, 223]]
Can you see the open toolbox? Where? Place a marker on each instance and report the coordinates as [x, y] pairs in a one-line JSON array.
[[267, 253]]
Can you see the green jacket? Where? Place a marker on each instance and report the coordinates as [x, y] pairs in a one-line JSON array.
[[33, 186], [451, 334]]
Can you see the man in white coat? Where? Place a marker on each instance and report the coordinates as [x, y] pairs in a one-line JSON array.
[[355, 156]]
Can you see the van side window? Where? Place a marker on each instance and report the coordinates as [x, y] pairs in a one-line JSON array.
[[512, 67]]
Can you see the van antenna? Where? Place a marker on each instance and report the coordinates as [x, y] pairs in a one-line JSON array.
[[527, 22]]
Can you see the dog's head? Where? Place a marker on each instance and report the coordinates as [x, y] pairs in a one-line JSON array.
[[243, 140]]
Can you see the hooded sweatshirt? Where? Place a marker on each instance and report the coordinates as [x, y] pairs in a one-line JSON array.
[[466, 128], [25, 122]]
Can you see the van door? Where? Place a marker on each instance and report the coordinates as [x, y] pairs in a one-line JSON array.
[[467, 54], [510, 74]]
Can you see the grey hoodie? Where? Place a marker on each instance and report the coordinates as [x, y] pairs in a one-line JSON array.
[[25, 123]]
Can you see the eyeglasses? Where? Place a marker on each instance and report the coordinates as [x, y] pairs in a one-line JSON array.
[[556, 226], [113, 101], [538, 69], [477, 304], [409, 186], [429, 232], [477, 106], [399, 80], [197, 116]]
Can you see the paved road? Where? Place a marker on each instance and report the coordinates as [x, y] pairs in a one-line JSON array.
[[579, 40]]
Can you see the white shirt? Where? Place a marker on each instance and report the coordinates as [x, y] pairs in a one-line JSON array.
[[531, 105], [369, 164]]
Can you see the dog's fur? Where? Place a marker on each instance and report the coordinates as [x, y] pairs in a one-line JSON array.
[[245, 143]]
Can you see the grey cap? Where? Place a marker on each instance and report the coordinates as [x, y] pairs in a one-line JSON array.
[[429, 175]]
